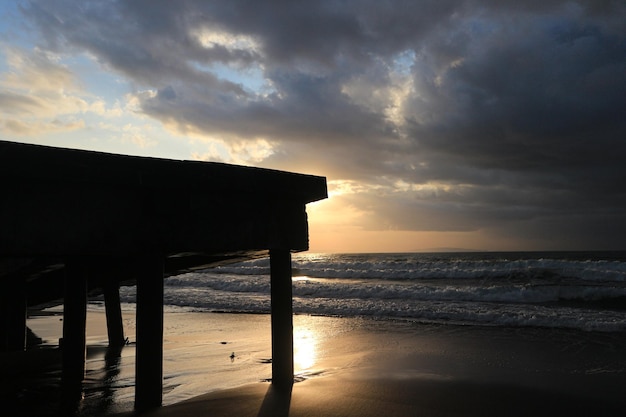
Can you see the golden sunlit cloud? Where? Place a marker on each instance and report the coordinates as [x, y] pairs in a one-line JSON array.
[[36, 71], [138, 135], [41, 96], [211, 38], [234, 152], [385, 91], [34, 128], [101, 108]]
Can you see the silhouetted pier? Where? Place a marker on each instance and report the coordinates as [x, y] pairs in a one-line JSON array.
[[79, 223]]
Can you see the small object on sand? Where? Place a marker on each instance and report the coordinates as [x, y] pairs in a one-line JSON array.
[[232, 356]]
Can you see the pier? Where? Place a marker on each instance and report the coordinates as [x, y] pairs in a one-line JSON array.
[[76, 224]]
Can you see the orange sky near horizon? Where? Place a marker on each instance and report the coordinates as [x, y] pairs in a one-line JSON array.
[[332, 229]]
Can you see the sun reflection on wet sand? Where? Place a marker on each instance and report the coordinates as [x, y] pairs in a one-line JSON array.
[[304, 349], [312, 336]]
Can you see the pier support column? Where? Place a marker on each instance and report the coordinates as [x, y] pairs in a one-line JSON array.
[[282, 318], [73, 346], [149, 352], [115, 327], [13, 315]]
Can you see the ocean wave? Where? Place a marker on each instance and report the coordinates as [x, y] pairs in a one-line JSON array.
[[482, 313], [419, 268], [380, 289], [479, 289]]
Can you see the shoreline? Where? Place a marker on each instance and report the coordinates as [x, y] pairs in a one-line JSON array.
[[384, 364]]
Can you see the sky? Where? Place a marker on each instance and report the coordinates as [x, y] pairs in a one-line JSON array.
[[440, 125]]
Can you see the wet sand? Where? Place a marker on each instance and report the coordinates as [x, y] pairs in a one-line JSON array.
[[344, 367]]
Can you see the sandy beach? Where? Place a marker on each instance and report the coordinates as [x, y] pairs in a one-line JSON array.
[[344, 367]]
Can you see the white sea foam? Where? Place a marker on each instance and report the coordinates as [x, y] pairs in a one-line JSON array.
[[570, 290]]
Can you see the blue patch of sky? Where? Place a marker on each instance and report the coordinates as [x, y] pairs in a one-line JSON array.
[[14, 28], [97, 80], [15, 32], [251, 78], [3, 63], [403, 61], [12, 31]]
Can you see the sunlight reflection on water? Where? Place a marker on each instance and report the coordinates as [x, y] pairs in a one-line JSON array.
[[305, 349]]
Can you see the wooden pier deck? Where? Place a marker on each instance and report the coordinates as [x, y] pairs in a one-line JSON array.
[[77, 223]]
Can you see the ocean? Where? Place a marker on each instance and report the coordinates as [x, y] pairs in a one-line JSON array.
[[549, 322], [566, 290]]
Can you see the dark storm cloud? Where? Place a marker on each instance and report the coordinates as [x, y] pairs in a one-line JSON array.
[[536, 106], [514, 112]]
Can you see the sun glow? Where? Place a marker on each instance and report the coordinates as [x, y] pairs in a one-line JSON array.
[[304, 349]]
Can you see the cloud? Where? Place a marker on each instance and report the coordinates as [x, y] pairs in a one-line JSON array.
[[40, 95], [38, 70], [499, 116], [18, 127]]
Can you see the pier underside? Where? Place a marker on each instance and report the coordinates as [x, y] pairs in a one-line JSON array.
[[77, 224]]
